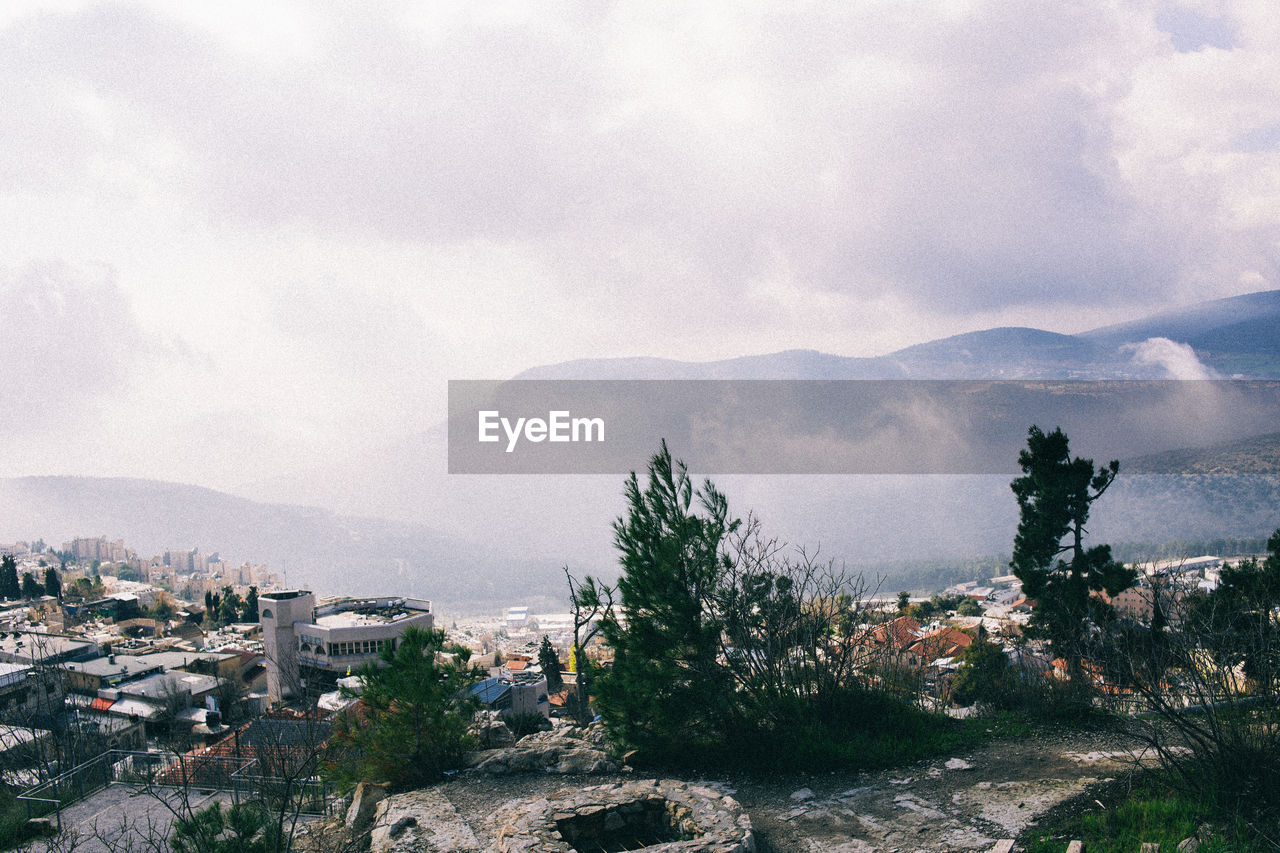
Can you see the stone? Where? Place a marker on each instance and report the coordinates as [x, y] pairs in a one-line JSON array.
[[630, 811], [957, 764], [38, 826], [490, 730], [363, 802], [421, 821], [802, 794], [1189, 845]]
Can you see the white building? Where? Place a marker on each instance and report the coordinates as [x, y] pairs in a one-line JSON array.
[[304, 640]]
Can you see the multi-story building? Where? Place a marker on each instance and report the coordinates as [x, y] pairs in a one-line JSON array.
[[310, 644]]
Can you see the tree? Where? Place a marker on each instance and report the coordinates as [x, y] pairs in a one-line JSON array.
[[1055, 495], [590, 602], [904, 601], [1205, 673], [31, 588], [1239, 615], [985, 675], [52, 584], [666, 687], [228, 607], [249, 613], [411, 722], [550, 663], [9, 586]]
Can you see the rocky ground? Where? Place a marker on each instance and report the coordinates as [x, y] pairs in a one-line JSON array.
[[956, 803]]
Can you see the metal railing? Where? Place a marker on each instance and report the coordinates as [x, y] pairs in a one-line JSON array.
[[173, 770]]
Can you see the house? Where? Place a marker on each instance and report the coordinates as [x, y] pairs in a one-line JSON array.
[[944, 642], [515, 695], [326, 641]]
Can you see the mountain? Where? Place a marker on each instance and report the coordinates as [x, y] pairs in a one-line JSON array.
[[1236, 335], [1239, 335], [1257, 456], [312, 547]]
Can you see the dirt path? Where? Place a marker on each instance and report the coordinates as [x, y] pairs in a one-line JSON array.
[[963, 803], [966, 802]]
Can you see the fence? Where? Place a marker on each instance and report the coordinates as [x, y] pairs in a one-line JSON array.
[[171, 770]]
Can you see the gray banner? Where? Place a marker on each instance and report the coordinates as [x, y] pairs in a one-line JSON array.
[[835, 427]]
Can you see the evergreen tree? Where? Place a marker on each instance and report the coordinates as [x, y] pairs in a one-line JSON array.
[[229, 607], [666, 688], [31, 588], [1055, 495], [9, 586], [52, 584], [985, 675], [414, 714], [249, 613], [550, 663]]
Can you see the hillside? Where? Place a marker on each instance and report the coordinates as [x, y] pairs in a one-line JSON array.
[[311, 547], [1237, 335]]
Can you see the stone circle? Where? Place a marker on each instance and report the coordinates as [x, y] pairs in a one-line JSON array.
[[657, 816]]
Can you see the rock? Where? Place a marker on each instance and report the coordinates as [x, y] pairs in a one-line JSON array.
[[38, 826], [580, 818], [802, 794], [490, 730], [422, 822], [568, 749], [398, 828], [363, 801], [957, 764], [1189, 845]]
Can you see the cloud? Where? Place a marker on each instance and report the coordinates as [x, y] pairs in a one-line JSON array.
[[1171, 359], [960, 160], [324, 211], [69, 341]]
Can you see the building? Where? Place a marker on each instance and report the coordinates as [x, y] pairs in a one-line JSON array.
[[324, 642], [514, 695]]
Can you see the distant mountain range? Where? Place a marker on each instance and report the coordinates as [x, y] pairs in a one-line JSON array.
[[477, 543], [1239, 335]]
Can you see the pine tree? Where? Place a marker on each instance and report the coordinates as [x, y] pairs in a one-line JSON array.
[[666, 688], [9, 586], [1055, 495], [31, 588], [52, 584], [550, 663], [249, 613]]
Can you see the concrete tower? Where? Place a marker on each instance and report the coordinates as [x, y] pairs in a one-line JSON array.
[[278, 611]]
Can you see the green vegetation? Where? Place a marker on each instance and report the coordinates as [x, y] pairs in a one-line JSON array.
[[731, 652], [1150, 812], [1204, 669], [9, 586], [986, 676], [550, 663], [1055, 495], [241, 828], [411, 722]]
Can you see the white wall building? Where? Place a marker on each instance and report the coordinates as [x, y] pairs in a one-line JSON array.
[[332, 639]]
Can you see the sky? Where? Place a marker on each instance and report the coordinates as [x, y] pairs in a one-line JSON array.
[[242, 239]]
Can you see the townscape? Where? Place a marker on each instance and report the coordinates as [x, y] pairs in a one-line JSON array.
[[293, 716]]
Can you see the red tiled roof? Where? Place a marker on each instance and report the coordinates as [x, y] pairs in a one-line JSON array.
[[101, 704]]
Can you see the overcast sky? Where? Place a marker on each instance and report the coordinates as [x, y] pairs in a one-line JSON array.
[[241, 237]]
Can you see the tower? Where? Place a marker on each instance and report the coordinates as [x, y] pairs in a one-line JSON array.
[[278, 612]]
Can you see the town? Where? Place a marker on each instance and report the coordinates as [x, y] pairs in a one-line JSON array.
[[183, 666]]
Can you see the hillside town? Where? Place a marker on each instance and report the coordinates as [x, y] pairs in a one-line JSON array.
[[184, 657]]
